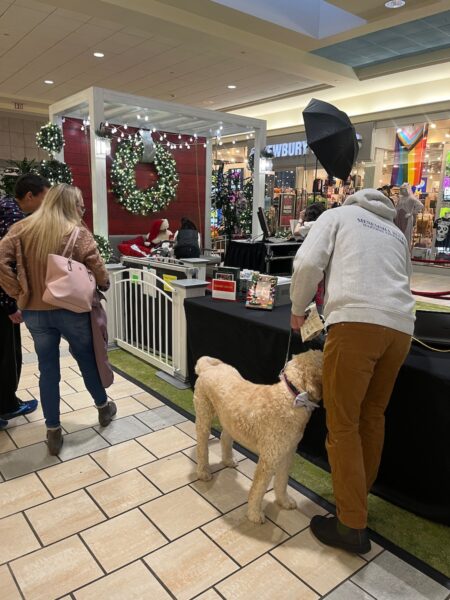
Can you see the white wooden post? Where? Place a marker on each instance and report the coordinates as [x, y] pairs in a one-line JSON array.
[[208, 184], [110, 307], [259, 179], [98, 165], [183, 288]]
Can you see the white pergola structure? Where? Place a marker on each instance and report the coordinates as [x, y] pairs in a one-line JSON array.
[[101, 105]]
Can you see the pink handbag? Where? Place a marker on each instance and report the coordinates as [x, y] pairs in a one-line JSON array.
[[68, 283]]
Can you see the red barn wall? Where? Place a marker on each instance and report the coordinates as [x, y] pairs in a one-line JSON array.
[[190, 199]]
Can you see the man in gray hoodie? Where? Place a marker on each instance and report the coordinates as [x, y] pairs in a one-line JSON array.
[[369, 312]]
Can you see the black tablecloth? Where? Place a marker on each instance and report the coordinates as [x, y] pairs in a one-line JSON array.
[[415, 468], [246, 255]]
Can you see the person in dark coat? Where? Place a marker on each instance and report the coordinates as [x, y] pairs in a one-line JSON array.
[[187, 240], [30, 190]]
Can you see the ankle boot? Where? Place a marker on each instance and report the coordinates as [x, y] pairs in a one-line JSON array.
[[106, 413], [54, 441], [330, 531]]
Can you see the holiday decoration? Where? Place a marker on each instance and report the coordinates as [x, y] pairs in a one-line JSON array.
[[159, 232], [12, 173], [233, 201], [50, 139], [246, 215], [128, 153], [266, 160], [104, 247], [56, 172]]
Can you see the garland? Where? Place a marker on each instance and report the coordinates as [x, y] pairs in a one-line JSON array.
[[104, 247], [56, 172], [17, 168], [153, 199], [50, 139]]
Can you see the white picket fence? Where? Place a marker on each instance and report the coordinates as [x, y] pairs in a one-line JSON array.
[[146, 317]]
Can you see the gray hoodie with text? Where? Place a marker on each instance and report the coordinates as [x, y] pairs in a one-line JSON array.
[[366, 263]]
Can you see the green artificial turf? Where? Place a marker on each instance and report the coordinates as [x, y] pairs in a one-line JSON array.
[[424, 539], [428, 306]]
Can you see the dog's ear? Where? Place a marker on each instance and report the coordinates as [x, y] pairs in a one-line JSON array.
[[312, 365]]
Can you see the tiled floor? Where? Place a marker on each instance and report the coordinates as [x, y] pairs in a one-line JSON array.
[[120, 515]]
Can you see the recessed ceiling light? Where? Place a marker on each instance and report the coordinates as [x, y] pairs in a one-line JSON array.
[[399, 130], [231, 87], [99, 55], [395, 3], [433, 125], [49, 82]]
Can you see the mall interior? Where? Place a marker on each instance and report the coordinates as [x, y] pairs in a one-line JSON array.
[[207, 153]]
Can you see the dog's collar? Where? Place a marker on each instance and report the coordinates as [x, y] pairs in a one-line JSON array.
[[301, 399]]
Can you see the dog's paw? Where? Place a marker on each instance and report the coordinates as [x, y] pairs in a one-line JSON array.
[[230, 463], [204, 474], [287, 503], [256, 516]]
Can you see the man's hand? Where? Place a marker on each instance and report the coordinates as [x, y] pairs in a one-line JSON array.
[[16, 317], [297, 321]]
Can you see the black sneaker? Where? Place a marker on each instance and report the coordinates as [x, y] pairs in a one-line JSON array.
[[106, 413], [331, 532]]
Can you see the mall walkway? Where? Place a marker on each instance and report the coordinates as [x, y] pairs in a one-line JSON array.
[[120, 515]]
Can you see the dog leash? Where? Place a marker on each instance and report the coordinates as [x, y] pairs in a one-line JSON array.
[[288, 348]]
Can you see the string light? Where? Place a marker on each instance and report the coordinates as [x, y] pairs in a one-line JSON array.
[[125, 126], [106, 124], [146, 117], [179, 136], [139, 117]]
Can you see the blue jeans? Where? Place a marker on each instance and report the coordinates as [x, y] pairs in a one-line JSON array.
[[46, 328]]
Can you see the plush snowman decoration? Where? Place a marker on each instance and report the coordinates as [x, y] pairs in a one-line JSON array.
[[159, 232]]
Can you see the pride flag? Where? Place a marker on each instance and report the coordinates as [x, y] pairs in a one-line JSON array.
[[410, 148]]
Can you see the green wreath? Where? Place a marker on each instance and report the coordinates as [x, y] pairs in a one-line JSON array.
[[153, 199], [50, 138]]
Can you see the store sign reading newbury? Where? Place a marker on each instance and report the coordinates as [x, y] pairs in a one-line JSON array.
[[289, 149], [299, 148]]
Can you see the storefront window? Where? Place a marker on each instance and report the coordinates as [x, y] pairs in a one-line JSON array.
[[415, 157]]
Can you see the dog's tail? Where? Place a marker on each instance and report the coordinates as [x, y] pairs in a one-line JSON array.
[[206, 362]]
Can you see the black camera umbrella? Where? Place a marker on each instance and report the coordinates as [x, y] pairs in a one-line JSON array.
[[332, 137]]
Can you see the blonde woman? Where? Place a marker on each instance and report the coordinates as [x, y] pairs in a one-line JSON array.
[[28, 244]]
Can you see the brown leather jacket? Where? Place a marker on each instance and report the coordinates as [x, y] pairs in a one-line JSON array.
[[28, 285]]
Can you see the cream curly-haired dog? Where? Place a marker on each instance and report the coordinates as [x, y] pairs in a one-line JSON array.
[[262, 418]]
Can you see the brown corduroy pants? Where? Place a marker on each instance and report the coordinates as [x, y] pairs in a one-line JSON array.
[[361, 364]]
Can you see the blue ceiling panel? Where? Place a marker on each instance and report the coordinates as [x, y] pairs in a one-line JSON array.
[[430, 33]]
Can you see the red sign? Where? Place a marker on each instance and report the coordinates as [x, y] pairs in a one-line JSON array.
[[223, 289]]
